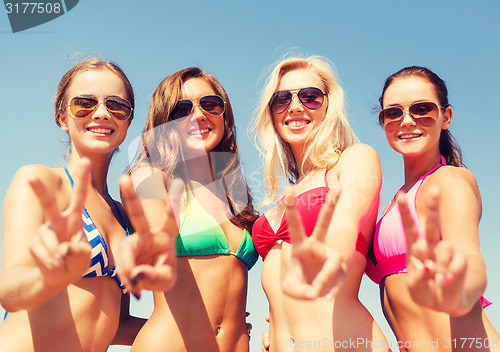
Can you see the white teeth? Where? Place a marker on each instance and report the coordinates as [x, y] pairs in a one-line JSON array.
[[101, 130], [297, 123], [409, 136], [200, 131]]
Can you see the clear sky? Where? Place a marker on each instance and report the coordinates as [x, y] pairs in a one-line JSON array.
[[238, 41]]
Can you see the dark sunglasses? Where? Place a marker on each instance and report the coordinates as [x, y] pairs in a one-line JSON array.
[[424, 113], [83, 106], [211, 104], [311, 98]]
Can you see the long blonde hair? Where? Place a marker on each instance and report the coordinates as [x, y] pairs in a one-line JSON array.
[[326, 142]]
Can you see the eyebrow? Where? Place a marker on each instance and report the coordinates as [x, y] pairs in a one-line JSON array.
[[414, 102]]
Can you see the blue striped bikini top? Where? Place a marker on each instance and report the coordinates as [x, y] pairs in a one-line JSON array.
[[99, 265]]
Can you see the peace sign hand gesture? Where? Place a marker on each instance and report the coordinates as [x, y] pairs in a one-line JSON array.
[[436, 273], [315, 269], [60, 248], [147, 259]]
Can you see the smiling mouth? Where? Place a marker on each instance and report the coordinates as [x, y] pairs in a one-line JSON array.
[[297, 123], [199, 131], [100, 130], [409, 136]]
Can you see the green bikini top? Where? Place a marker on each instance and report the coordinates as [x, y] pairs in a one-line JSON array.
[[200, 234]]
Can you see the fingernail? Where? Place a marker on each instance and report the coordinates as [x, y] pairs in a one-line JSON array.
[[448, 279], [427, 269]]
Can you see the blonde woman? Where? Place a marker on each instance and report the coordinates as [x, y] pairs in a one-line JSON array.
[[306, 139]]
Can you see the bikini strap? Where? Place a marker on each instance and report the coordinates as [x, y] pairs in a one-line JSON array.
[[442, 162], [122, 219], [326, 180], [118, 211], [69, 176]]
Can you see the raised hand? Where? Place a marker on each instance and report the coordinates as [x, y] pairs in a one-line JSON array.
[[436, 273], [315, 270], [148, 259], [60, 248]]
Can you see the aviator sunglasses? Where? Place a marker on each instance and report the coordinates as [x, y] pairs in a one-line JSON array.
[[211, 104], [424, 113], [83, 106], [311, 98]]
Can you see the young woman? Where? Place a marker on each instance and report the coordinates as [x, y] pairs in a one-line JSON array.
[[431, 289], [190, 134], [305, 137], [58, 280]]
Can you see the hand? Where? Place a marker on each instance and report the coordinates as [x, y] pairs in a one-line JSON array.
[[436, 273], [315, 269], [148, 259], [60, 248], [265, 339], [248, 325]]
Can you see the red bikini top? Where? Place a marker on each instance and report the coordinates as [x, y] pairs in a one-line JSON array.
[[308, 204]]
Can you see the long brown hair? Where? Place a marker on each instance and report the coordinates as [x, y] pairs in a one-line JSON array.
[[162, 148]]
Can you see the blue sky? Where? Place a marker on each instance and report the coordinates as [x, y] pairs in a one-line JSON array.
[[238, 41]]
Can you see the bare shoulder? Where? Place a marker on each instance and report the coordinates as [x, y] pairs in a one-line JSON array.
[[149, 182], [359, 159], [49, 176], [360, 150], [457, 183], [453, 178]]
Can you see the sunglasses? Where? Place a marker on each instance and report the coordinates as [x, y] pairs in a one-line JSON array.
[[311, 98], [211, 104], [83, 106], [424, 113]]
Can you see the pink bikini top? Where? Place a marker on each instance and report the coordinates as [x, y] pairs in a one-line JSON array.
[[308, 204], [388, 253]]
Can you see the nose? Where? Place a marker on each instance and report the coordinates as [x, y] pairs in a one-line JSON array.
[[101, 111], [295, 104], [197, 113], [407, 119]]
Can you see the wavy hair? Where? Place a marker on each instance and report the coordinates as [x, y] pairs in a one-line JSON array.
[[162, 147], [448, 146], [326, 142]]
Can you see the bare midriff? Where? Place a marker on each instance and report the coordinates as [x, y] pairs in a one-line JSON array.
[[419, 329], [83, 317], [319, 325], [204, 311]]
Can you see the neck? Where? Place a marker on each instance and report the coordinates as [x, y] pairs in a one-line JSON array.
[[98, 171], [417, 166], [304, 167], [200, 169]]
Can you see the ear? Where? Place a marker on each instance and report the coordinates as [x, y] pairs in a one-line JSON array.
[[62, 119], [447, 115]]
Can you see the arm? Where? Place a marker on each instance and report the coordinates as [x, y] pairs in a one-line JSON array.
[[359, 176], [446, 271], [44, 249], [129, 325], [318, 262]]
